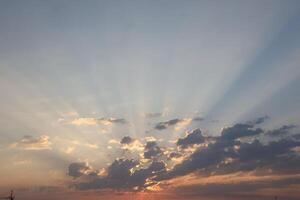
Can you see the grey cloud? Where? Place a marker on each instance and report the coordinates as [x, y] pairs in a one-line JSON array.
[[119, 176], [193, 137], [277, 156], [174, 122], [198, 119], [152, 150], [296, 137], [245, 156], [174, 155], [153, 114], [166, 124], [224, 154], [126, 140], [281, 131], [77, 169], [258, 120], [239, 131], [150, 144]]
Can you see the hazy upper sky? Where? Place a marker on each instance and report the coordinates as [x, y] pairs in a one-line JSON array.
[[150, 99]]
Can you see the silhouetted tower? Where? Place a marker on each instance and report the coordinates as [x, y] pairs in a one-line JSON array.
[[10, 197]]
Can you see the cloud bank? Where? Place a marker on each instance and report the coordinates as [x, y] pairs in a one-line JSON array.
[[240, 148]]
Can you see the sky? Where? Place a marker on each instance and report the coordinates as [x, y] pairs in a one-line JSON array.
[[149, 99]]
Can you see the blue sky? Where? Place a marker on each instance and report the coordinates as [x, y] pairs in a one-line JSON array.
[[78, 76]]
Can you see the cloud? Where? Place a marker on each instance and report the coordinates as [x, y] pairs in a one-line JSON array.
[[29, 142], [238, 149], [243, 184], [174, 155], [152, 150], [128, 143], [239, 131], [228, 155], [78, 169], [124, 174], [126, 140], [258, 120], [296, 137], [198, 119], [156, 114], [281, 131], [153, 114], [193, 137], [98, 121], [177, 123]]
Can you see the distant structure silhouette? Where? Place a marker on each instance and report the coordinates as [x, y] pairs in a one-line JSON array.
[[10, 197]]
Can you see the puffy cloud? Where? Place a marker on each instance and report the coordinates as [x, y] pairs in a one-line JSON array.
[[29, 142], [98, 121], [193, 137], [225, 154]]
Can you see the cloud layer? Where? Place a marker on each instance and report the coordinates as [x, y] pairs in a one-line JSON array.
[[240, 148]]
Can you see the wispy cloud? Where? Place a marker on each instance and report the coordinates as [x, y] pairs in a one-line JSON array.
[[29, 142], [97, 121]]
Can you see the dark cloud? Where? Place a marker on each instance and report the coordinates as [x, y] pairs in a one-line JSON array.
[[120, 169], [258, 120], [120, 176], [193, 137], [152, 150], [239, 131], [243, 156], [224, 154], [77, 169], [166, 124], [296, 137], [281, 131], [126, 140], [277, 156], [173, 122], [174, 155], [150, 144], [117, 176]]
